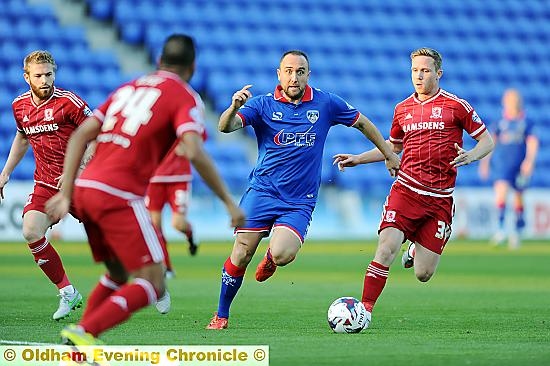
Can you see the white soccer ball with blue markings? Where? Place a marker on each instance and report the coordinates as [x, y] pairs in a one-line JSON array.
[[348, 315]]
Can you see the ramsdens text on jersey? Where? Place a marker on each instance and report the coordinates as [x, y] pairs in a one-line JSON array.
[[424, 126], [31, 130]]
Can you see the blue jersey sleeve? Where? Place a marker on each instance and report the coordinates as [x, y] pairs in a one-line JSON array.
[[342, 112], [250, 112]]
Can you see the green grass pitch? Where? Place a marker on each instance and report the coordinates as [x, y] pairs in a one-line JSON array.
[[484, 306]]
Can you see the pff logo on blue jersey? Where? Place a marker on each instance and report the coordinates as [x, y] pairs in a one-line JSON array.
[[299, 139]]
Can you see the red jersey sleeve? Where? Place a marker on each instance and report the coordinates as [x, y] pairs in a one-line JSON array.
[[396, 131], [472, 123], [190, 116], [81, 114], [17, 121]]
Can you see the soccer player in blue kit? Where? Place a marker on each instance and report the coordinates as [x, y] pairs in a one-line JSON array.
[[291, 125], [511, 163]]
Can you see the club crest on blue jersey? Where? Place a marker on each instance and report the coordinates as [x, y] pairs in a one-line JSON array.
[[299, 139], [312, 115]]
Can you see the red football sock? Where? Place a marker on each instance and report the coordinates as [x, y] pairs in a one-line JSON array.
[[103, 290], [375, 280], [49, 262], [118, 307], [189, 232], [232, 269]]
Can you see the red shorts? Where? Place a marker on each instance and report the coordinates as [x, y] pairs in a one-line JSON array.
[[37, 200], [425, 220], [118, 228], [177, 194]]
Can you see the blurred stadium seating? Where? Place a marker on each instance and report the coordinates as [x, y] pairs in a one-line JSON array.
[[358, 49]]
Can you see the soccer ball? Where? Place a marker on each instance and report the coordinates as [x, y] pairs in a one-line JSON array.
[[348, 315]]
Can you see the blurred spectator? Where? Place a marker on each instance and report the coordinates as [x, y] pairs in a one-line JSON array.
[[511, 164]]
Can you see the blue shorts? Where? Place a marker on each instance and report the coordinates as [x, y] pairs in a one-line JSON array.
[[510, 173], [265, 211]]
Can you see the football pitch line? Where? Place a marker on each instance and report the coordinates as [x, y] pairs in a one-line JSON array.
[[7, 342]]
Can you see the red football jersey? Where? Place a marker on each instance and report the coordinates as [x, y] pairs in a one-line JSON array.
[[48, 128], [428, 131], [174, 167], [140, 123]]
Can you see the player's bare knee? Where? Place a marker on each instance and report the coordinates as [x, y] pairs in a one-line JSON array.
[[179, 225], [424, 276], [385, 254], [283, 259], [242, 253], [32, 235], [282, 255]]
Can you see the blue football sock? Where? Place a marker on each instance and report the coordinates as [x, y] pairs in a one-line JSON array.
[[230, 287], [501, 216], [520, 220]]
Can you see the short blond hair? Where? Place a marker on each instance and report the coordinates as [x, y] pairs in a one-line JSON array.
[[38, 57], [429, 52]]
